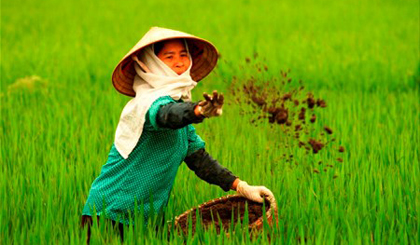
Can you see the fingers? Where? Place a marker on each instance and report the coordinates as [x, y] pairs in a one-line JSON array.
[[213, 103], [207, 97], [260, 193], [203, 103], [267, 194], [257, 198], [219, 101], [215, 112], [215, 96], [265, 191], [255, 193]]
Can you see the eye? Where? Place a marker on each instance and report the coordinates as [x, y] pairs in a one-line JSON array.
[[183, 55], [169, 57]]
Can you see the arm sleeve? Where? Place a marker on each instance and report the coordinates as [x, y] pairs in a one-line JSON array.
[[209, 170], [165, 113], [177, 115]]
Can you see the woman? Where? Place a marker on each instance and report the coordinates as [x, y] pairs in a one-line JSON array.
[[154, 135]]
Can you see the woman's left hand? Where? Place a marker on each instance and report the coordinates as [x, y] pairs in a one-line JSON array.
[[254, 193]]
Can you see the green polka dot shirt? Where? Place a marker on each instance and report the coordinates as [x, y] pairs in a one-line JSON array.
[[149, 170]]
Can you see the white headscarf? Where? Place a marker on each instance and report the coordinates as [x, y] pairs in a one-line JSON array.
[[160, 81]]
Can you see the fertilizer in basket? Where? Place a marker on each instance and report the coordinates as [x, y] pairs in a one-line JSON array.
[[221, 211]]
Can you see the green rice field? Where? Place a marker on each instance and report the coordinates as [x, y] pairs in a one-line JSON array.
[[59, 112]]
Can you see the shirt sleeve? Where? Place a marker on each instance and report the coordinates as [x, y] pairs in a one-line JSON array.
[[166, 113], [177, 115], [194, 141]]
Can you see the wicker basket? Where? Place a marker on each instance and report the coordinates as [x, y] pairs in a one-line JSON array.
[[271, 211]]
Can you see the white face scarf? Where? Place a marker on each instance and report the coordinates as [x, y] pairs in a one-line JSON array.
[[160, 81]]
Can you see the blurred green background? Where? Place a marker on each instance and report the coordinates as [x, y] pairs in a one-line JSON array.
[[59, 112]]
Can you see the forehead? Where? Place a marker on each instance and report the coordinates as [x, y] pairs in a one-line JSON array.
[[173, 44]]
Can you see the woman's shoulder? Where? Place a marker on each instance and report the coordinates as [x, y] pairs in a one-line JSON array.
[[152, 112]]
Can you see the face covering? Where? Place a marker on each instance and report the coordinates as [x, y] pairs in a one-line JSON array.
[[149, 86]]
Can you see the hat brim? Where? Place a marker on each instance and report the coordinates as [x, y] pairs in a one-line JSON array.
[[204, 58]]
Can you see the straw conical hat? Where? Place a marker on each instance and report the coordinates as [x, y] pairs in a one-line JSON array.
[[204, 58]]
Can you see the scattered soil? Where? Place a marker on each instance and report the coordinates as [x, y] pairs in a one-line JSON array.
[[316, 145], [328, 130], [302, 114], [281, 115], [223, 212], [310, 101], [321, 103], [313, 118], [287, 96], [283, 102]]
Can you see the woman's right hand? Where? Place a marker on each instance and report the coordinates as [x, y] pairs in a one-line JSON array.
[[212, 105], [254, 193]]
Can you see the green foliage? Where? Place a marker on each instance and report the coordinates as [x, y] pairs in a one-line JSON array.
[[59, 112]]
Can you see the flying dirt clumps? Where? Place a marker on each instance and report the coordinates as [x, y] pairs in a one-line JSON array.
[[328, 130], [278, 115], [316, 145], [284, 108], [321, 103], [284, 102], [302, 114], [313, 118], [310, 101]]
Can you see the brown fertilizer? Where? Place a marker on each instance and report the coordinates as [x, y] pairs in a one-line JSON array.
[[316, 145], [313, 118], [289, 108], [328, 130], [221, 214]]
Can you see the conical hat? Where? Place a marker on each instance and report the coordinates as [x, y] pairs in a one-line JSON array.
[[204, 58]]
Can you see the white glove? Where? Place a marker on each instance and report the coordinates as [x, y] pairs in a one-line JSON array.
[[254, 193]]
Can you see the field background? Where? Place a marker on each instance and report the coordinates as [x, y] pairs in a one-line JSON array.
[[59, 112]]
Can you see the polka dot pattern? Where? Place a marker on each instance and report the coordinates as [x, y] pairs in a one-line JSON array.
[[147, 175]]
